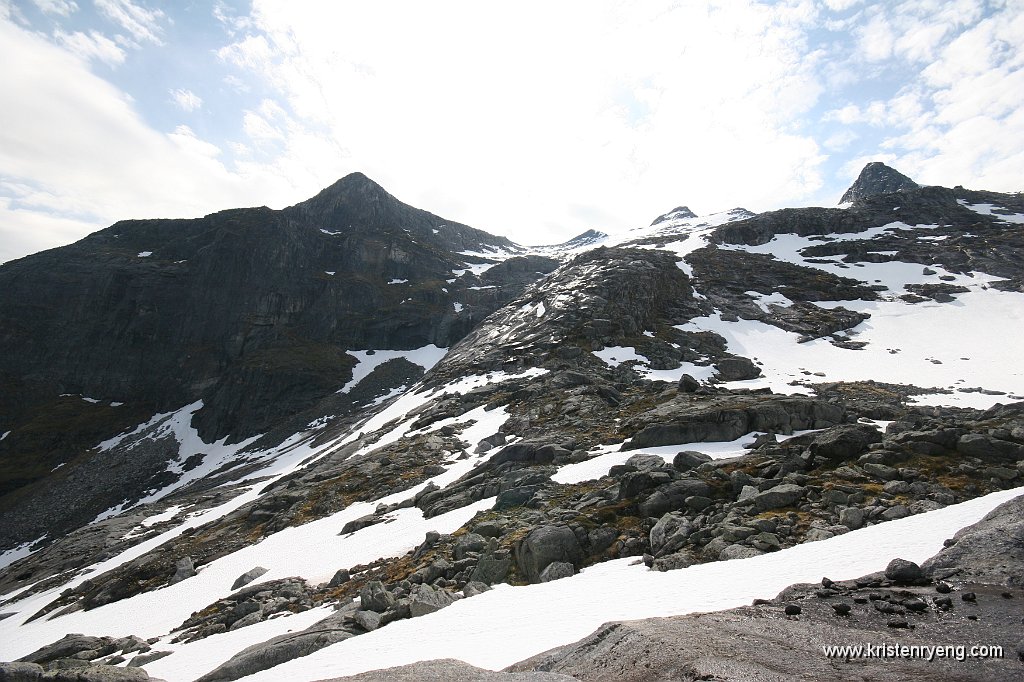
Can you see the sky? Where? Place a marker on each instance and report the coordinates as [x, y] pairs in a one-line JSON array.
[[534, 120]]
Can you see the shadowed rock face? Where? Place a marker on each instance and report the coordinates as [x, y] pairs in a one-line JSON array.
[[877, 178], [249, 310]]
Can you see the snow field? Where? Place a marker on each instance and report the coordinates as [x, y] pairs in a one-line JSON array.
[[508, 624]]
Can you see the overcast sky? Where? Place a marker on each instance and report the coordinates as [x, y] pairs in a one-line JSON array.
[[535, 120]]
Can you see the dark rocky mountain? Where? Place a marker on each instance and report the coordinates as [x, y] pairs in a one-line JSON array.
[[250, 311], [627, 406], [877, 178]]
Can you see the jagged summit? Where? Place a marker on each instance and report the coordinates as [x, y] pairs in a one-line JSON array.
[[677, 213], [877, 178]]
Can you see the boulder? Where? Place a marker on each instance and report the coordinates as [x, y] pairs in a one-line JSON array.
[[474, 588], [367, 620], [273, 652], [687, 384], [903, 572], [645, 462], [737, 369], [557, 570], [673, 497], [670, 533], [689, 459], [375, 597], [20, 671], [341, 577], [784, 495], [470, 542], [248, 577], [491, 569], [844, 442], [65, 647], [183, 570], [989, 448], [545, 545], [426, 599], [360, 523], [991, 551]]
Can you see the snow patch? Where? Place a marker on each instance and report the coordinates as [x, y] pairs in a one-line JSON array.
[[368, 360]]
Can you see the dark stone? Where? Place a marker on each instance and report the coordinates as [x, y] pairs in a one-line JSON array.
[[903, 572], [543, 546], [375, 597], [793, 610], [687, 384], [557, 570], [689, 459], [341, 577], [248, 577], [841, 443], [426, 599], [737, 369]]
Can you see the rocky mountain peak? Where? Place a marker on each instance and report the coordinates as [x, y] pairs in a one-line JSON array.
[[677, 213], [877, 178]]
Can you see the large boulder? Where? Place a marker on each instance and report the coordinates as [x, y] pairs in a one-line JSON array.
[[273, 652], [673, 496], [737, 369], [545, 545], [248, 577], [784, 495], [426, 599], [841, 443], [990, 551], [375, 597]]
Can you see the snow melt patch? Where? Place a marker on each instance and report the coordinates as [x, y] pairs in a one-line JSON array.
[[508, 624], [967, 338], [368, 360], [398, 281], [179, 426], [989, 209], [613, 356], [604, 457], [145, 254]]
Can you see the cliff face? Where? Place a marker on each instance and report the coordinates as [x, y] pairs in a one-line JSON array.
[[250, 311]]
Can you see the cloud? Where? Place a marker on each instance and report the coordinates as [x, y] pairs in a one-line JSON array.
[[93, 45], [63, 8], [186, 100], [626, 111], [77, 155], [142, 23]]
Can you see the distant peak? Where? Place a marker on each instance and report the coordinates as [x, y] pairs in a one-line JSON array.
[[677, 213], [877, 178]]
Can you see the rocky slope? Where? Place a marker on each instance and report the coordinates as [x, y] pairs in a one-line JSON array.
[[705, 389]]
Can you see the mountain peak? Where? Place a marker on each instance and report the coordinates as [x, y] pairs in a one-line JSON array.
[[877, 178], [677, 213]]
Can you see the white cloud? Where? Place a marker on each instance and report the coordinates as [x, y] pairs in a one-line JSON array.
[[63, 8], [93, 45], [78, 155], [186, 99], [621, 111], [142, 23]]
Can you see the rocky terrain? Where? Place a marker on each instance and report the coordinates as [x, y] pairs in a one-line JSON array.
[[704, 390]]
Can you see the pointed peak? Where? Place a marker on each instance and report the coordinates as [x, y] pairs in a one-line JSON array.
[[877, 178], [677, 213], [353, 181]]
